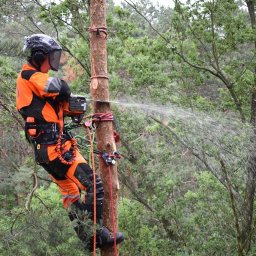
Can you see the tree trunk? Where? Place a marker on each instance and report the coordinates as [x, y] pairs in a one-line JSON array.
[[247, 218], [251, 10], [99, 92]]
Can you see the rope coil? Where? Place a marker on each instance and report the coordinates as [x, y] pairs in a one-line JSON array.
[[99, 76], [98, 30], [58, 145], [94, 191], [101, 117]]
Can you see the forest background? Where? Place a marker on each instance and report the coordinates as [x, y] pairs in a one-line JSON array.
[[184, 84]]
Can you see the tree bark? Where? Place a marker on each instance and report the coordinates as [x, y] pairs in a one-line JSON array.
[[99, 92], [248, 206], [251, 9]]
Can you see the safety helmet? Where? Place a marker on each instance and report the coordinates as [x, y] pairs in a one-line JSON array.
[[39, 46]]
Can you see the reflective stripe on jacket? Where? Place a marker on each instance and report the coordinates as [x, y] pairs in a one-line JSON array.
[[35, 94]]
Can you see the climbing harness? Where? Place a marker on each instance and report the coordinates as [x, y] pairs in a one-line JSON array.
[[41, 133], [94, 189], [77, 106]]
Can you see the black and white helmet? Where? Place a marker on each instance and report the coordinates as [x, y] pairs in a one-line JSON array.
[[38, 46]]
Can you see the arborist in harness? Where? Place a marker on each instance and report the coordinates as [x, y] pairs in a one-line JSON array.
[[43, 102]]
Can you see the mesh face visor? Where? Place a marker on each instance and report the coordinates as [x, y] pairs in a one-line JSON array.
[[54, 59]]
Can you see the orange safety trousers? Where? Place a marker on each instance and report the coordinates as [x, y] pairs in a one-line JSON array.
[[70, 187]]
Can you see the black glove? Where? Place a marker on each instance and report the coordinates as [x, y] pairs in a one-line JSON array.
[[64, 93]]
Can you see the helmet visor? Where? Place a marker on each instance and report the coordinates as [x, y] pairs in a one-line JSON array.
[[54, 59]]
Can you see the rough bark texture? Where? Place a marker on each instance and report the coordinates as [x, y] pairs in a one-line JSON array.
[[99, 91]]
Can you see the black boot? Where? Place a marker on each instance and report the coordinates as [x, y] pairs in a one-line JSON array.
[[105, 238], [81, 221]]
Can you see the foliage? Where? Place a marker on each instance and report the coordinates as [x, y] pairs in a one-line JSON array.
[[184, 93], [43, 230]]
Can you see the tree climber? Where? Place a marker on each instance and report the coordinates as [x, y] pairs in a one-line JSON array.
[[42, 101]]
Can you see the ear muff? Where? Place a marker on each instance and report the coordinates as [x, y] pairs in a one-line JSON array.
[[38, 57]]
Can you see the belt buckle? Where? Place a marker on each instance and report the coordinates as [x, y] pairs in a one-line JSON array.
[[54, 127]]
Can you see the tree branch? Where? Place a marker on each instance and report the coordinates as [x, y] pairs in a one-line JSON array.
[[35, 186], [196, 153], [233, 206], [217, 73]]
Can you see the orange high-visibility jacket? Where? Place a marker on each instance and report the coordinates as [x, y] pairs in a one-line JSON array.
[[35, 94]]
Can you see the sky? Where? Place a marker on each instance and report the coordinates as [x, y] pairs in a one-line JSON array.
[[161, 2]]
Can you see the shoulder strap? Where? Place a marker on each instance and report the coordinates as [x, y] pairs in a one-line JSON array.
[[26, 74]]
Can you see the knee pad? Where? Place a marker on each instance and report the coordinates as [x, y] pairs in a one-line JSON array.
[[84, 174]]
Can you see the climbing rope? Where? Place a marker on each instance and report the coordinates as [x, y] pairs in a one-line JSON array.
[[58, 145], [94, 190], [112, 208], [98, 30], [101, 117]]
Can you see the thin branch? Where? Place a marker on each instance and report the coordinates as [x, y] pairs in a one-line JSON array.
[[16, 218], [129, 184], [168, 41], [233, 206], [12, 114], [62, 20], [196, 153], [84, 66], [14, 165], [30, 18], [216, 73], [42, 202], [138, 197], [214, 48], [35, 186]]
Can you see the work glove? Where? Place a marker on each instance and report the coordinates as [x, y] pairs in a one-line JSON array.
[[64, 93]]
